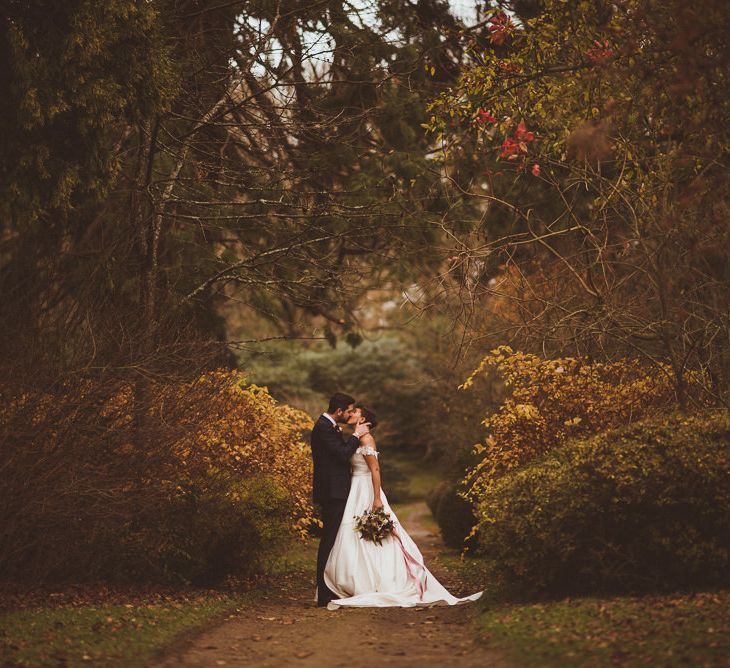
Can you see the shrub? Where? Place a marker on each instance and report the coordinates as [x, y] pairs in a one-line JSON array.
[[557, 399], [453, 514], [248, 433], [186, 480], [222, 526], [644, 506]]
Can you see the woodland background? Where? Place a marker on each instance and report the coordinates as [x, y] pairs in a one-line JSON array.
[[506, 227]]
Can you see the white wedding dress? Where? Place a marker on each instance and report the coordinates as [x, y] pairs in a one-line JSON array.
[[364, 574]]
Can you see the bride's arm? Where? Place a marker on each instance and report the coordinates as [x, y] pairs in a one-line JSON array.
[[368, 441]]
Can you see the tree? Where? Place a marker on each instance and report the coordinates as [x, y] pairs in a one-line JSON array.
[[162, 158], [602, 129]]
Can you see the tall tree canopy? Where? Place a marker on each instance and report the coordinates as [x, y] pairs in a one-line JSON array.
[[601, 129], [159, 157]]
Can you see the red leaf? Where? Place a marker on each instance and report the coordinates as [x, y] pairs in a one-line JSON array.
[[483, 116]]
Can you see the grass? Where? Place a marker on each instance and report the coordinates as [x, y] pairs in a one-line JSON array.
[[408, 478], [295, 557], [413, 481], [680, 629], [115, 629], [666, 630], [104, 634]]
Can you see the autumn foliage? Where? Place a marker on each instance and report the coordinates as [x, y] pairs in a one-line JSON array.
[[195, 485], [588, 478], [557, 399], [600, 129], [646, 506], [249, 434]]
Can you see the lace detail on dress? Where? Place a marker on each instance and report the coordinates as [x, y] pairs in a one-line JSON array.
[[366, 450]]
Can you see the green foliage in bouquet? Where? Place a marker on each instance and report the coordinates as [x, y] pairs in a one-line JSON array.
[[374, 525]]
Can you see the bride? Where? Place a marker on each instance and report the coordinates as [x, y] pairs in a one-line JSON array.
[[364, 574]]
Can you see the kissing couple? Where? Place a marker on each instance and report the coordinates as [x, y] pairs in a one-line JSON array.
[[346, 482]]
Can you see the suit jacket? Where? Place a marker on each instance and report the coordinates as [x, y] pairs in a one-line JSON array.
[[331, 455]]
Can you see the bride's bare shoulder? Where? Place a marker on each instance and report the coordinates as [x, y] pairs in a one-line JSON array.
[[368, 441]]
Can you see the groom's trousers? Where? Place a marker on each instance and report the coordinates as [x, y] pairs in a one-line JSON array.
[[332, 512]]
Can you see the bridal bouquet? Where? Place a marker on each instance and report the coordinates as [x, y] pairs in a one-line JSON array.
[[374, 525]]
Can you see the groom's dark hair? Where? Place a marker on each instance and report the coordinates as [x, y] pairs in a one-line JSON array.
[[339, 400]]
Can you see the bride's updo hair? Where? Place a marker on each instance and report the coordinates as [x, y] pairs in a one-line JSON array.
[[369, 416]]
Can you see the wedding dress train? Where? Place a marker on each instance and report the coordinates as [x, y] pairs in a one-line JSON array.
[[364, 574]]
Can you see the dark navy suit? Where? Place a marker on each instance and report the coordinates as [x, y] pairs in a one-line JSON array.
[[330, 488]]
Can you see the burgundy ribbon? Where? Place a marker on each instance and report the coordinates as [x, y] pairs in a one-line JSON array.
[[412, 566]]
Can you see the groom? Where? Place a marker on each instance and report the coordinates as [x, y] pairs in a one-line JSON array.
[[332, 477]]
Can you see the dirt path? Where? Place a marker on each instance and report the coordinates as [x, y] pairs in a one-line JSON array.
[[286, 629]]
